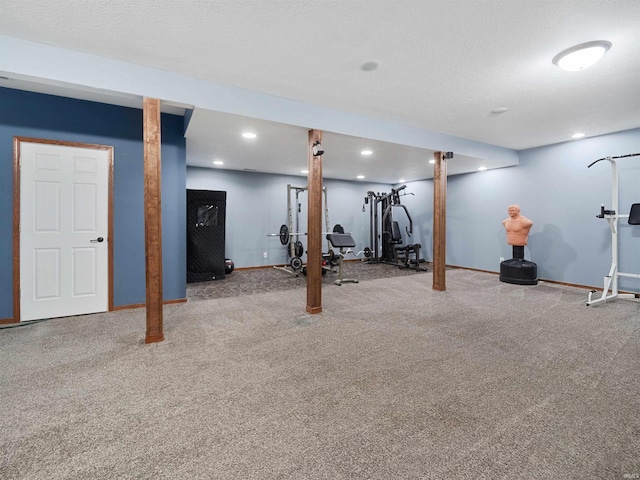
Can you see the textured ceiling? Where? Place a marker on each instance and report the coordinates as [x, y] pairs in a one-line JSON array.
[[444, 65]]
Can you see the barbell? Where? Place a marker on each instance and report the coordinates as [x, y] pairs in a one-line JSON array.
[[285, 234]]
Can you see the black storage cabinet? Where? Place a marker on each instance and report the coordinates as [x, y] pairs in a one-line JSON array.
[[206, 212]]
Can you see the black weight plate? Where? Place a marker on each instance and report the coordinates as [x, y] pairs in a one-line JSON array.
[[337, 228], [284, 234], [298, 249], [296, 263]]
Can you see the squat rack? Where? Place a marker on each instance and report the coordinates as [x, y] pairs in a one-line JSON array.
[[294, 246], [613, 217], [295, 232]]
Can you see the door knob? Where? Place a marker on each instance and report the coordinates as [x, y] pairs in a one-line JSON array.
[[98, 240]]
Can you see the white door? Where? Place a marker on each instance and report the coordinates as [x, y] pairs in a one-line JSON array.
[[64, 258]]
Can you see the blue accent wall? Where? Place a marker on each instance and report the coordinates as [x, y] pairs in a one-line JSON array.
[[35, 115], [557, 191], [552, 184]]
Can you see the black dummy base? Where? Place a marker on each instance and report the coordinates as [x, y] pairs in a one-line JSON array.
[[518, 270]]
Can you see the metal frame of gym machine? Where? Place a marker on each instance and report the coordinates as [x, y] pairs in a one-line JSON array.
[[612, 216], [388, 201], [296, 260]]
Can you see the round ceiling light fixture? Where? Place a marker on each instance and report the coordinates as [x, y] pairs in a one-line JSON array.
[[369, 65], [581, 56], [500, 110]]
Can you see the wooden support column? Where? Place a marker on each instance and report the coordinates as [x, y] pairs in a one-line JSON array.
[[314, 227], [439, 221], [153, 218]]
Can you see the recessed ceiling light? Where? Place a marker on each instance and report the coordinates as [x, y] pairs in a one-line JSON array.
[[369, 65], [360, 177], [432, 161], [402, 180], [482, 169], [304, 171], [577, 135], [581, 56], [218, 162], [500, 110], [366, 152], [249, 135]]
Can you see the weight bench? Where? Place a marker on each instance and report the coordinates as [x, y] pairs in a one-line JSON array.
[[342, 241]]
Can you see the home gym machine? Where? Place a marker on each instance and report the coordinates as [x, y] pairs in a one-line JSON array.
[[292, 238], [385, 238], [612, 216]]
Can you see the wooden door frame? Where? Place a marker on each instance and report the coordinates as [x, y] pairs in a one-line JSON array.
[[16, 214]]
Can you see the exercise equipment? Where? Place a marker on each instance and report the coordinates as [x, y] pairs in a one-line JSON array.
[[290, 238], [342, 241], [284, 234], [330, 259], [228, 266], [517, 270], [610, 290], [385, 238]]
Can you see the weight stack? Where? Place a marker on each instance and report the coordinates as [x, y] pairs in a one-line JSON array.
[[519, 271]]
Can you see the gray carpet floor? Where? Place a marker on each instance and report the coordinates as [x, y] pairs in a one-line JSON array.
[[391, 381]]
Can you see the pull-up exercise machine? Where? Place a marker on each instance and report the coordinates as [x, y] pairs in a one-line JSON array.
[[295, 248], [292, 238], [610, 290]]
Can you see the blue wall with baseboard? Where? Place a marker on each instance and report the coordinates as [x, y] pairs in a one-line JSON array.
[[35, 115], [257, 205], [552, 184], [560, 194]]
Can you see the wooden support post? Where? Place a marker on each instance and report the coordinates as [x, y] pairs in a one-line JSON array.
[[439, 221], [153, 218], [314, 227]]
